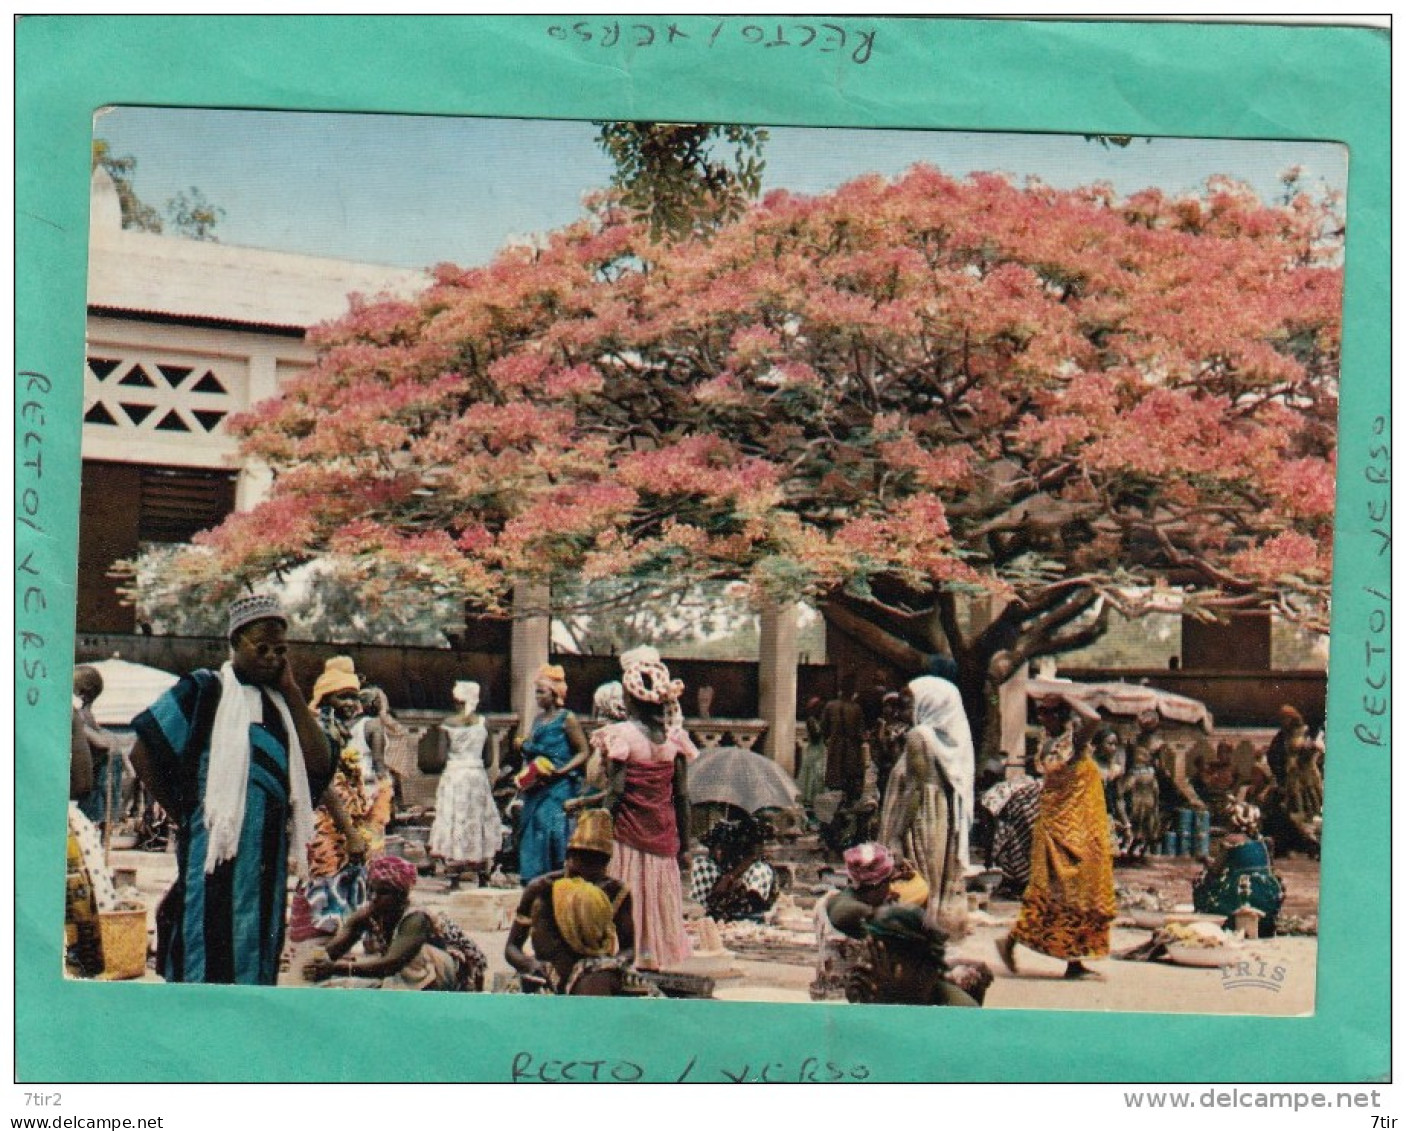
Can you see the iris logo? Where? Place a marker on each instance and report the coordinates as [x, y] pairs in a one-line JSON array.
[[1256, 974]]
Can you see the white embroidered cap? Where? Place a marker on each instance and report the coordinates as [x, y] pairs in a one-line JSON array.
[[259, 606]]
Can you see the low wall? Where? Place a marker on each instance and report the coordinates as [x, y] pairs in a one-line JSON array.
[[417, 679], [420, 679]]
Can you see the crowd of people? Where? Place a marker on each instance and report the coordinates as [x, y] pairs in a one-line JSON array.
[[253, 778], [1051, 835]]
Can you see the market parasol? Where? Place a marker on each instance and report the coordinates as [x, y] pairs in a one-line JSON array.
[[1129, 699], [128, 690], [729, 775]]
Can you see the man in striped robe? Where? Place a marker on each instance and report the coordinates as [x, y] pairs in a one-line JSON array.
[[236, 758]]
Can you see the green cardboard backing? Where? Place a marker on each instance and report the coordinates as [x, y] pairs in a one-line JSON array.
[[1187, 79]]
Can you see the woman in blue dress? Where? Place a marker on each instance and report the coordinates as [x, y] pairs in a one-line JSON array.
[[554, 757], [1241, 873]]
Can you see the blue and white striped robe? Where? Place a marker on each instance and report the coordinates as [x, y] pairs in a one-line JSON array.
[[227, 926]]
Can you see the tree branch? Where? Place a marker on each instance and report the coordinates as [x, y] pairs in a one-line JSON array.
[[894, 651]]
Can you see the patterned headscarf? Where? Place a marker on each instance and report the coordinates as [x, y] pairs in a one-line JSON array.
[[554, 676], [393, 872], [1245, 818], [584, 917], [868, 864], [594, 832], [647, 679]]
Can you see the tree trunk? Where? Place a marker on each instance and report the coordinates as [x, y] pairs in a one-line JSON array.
[[1022, 631], [973, 663], [889, 648]]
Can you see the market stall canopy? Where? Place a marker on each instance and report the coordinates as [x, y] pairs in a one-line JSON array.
[[128, 690], [1128, 699], [729, 775]]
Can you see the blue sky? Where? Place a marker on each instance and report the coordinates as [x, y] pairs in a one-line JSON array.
[[414, 191]]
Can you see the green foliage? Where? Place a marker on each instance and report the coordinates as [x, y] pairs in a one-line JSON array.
[[189, 214], [713, 620], [603, 618], [328, 601], [136, 214], [1143, 642], [1122, 141], [194, 217], [1295, 648], [684, 179]]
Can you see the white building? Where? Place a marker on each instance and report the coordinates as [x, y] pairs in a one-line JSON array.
[[181, 334]]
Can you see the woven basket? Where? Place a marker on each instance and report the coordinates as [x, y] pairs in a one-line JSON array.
[[123, 943]]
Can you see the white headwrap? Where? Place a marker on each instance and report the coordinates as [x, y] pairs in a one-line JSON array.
[[609, 701], [227, 780], [939, 718], [466, 692]]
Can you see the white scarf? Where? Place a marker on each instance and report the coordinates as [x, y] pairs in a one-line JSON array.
[[940, 720], [227, 779]]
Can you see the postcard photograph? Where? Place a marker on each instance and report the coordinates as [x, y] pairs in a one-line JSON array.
[[705, 561]]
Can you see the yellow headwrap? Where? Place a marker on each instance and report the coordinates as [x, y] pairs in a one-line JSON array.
[[555, 676], [339, 674], [584, 917]]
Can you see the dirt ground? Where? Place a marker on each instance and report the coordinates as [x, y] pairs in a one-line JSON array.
[[1270, 977]]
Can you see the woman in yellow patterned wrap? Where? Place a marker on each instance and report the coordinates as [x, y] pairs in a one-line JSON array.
[[1069, 904]]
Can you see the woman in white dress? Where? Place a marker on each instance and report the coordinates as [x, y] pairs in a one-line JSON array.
[[467, 831]]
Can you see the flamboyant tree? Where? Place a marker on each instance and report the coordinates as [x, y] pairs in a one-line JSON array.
[[880, 399]]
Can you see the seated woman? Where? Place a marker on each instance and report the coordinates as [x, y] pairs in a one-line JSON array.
[[734, 881], [840, 917], [906, 964], [405, 949], [549, 912], [1241, 873], [876, 879], [585, 920], [1013, 806]]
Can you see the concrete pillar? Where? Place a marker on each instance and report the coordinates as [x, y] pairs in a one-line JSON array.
[[777, 682], [531, 643], [263, 376], [255, 479], [253, 485], [1013, 716], [1012, 713]]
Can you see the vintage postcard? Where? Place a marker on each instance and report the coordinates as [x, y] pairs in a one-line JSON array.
[[729, 562], [1008, 452]]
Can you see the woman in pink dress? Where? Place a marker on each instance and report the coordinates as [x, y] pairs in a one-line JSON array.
[[647, 758]]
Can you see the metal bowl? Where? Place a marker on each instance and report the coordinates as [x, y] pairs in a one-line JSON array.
[[1202, 956]]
